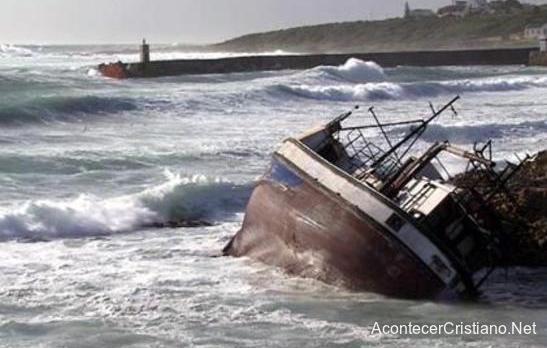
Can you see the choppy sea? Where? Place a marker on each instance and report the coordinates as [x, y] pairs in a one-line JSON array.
[[87, 163]]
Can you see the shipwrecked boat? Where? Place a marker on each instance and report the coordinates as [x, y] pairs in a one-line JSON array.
[[338, 207]]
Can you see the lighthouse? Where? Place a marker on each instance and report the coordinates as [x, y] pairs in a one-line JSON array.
[[145, 52]]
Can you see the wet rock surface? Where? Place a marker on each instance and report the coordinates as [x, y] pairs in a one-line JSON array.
[[181, 224], [525, 223]]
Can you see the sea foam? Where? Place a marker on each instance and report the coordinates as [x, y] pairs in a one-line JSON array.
[[353, 70], [469, 133], [393, 91], [357, 80], [178, 199], [7, 50]]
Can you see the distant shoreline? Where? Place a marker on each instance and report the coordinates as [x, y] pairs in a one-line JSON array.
[[397, 34]]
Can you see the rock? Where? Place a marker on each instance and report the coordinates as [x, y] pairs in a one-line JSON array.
[[180, 224], [527, 221]]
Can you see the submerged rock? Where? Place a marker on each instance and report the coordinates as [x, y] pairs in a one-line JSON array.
[[181, 224]]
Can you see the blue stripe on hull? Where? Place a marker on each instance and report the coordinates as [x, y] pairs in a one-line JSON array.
[[281, 174]]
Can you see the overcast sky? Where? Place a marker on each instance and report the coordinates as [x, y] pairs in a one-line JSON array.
[[181, 21]]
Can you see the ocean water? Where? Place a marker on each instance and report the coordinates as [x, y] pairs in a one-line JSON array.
[[87, 164]]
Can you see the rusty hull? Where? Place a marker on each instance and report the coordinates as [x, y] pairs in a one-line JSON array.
[[294, 223]]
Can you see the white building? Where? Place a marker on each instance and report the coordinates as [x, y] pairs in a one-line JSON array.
[[474, 4], [535, 31], [417, 13], [470, 3], [421, 13], [460, 8]]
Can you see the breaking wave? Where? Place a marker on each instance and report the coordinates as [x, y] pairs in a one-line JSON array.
[[48, 109], [466, 134], [180, 198], [357, 80], [354, 70], [392, 91], [12, 50], [369, 91]]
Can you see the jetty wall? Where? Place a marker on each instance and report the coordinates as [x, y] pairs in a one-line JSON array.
[[299, 62], [538, 58]]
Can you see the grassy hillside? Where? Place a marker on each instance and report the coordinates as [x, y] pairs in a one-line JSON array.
[[499, 30]]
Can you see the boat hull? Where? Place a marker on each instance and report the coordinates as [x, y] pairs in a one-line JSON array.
[[295, 223], [114, 70]]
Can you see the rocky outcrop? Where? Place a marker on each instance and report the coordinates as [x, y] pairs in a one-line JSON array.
[[530, 190], [525, 223]]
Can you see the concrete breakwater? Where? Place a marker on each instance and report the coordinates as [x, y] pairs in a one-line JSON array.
[[147, 68]]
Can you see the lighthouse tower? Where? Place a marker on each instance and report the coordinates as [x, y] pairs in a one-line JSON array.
[[145, 52]]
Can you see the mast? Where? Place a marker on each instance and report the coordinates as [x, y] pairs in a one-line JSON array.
[[416, 131]]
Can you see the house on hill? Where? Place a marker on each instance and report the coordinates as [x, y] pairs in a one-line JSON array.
[[457, 9], [474, 4], [535, 31], [461, 8], [417, 13]]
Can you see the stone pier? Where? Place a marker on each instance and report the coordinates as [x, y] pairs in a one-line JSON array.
[[146, 68]]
